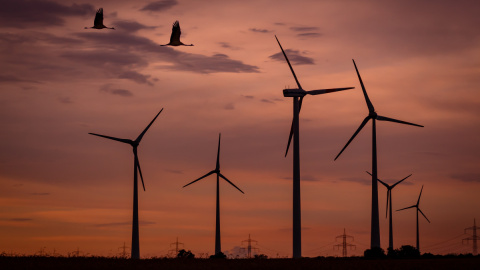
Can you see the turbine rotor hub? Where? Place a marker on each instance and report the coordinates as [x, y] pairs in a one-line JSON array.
[[296, 92]]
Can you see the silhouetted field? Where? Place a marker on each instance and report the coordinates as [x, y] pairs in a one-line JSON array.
[[93, 263]]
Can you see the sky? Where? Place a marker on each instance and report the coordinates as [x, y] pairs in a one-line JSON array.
[[62, 189]]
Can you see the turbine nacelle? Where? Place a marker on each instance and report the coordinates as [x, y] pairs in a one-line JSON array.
[[296, 92]]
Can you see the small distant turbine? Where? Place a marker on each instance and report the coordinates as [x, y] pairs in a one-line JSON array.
[[135, 251], [297, 93], [372, 115], [175, 37], [218, 246], [389, 210], [98, 23], [418, 210]]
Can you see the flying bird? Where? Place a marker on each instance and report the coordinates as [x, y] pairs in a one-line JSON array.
[[98, 23], [175, 37]]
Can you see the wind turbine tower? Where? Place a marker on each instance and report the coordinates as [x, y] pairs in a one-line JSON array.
[[218, 246], [298, 94], [474, 237], [344, 243], [388, 209], [135, 250], [372, 115]]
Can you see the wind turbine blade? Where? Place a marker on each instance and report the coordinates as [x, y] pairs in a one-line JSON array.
[[113, 138], [401, 181], [418, 202], [218, 153], [383, 183], [221, 175], [325, 91], [139, 138], [383, 118], [139, 170], [424, 215], [291, 128], [369, 104], [388, 200], [355, 134], [407, 208], [288, 62], [199, 178], [289, 138]]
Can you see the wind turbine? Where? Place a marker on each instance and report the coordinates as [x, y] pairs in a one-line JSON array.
[[387, 210], [135, 251], [297, 93], [218, 247], [418, 210], [375, 223]]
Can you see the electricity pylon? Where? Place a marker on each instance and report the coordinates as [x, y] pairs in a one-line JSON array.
[[176, 243], [124, 248], [344, 243], [474, 237], [249, 246]]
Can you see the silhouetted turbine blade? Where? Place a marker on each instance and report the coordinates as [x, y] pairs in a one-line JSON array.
[[418, 202], [113, 138], [288, 62], [291, 128], [355, 134], [388, 200], [199, 178], [369, 104], [383, 118], [221, 175], [401, 181], [218, 153], [424, 215], [139, 138], [290, 137], [325, 91], [407, 208], [139, 170]]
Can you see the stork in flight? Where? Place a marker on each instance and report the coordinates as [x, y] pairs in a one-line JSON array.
[[175, 37], [98, 23]]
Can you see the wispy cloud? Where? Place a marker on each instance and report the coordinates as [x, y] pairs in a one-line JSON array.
[[65, 100], [39, 13], [466, 177], [131, 26], [229, 106], [303, 28], [264, 100], [159, 5], [260, 30], [362, 181], [310, 34], [294, 56], [20, 219], [40, 193], [116, 91]]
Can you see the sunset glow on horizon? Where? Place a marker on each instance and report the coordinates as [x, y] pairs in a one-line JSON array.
[[64, 190]]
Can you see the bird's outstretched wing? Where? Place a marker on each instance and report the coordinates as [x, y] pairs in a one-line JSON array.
[[175, 37], [98, 18]]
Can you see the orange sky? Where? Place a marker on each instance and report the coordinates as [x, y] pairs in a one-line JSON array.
[[63, 189]]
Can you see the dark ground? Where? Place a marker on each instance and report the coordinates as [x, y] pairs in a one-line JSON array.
[[91, 263]]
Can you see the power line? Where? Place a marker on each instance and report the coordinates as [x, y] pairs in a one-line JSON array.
[[474, 237]]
